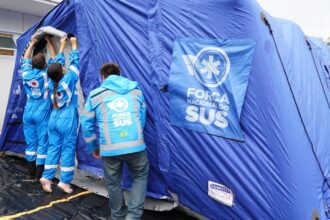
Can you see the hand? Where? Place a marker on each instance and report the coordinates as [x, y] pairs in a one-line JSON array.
[[63, 41], [96, 154], [34, 40], [47, 37], [73, 40]]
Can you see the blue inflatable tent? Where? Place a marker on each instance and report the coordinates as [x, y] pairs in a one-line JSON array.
[[238, 102]]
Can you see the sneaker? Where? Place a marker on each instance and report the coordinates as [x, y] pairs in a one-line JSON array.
[[65, 187], [46, 184]]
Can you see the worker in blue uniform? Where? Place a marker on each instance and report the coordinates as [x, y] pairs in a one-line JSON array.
[[63, 122], [38, 106], [119, 110]]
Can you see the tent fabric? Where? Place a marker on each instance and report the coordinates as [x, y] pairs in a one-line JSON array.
[[281, 169], [320, 52], [313, 82]]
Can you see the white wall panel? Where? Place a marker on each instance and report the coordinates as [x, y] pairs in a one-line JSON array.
[[15, 23], [29, 21], [7, 64], [11, 21]]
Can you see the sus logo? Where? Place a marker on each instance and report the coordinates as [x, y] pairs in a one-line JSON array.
[[118, 105], [210, 66]]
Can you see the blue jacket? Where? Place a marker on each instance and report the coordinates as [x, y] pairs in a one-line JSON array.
[[119, 109], [66, 92]]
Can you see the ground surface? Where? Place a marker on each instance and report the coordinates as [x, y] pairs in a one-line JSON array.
[[23, 198]]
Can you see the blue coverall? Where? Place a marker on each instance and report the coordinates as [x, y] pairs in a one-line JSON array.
[[37, 111], [63, 124]]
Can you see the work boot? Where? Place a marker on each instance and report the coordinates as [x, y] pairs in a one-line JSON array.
[[65, 187], [46, 184], [32, 168], [39, 171]]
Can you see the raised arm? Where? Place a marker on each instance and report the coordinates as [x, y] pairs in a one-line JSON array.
[[74, 56], [73, 41], [29, 50], [60, 56], [51, 46], [62, 44]]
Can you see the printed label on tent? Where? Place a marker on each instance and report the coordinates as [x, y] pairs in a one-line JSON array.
[[220, 193], [208, 81]]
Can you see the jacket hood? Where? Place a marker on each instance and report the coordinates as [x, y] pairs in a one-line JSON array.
[[119, 84]]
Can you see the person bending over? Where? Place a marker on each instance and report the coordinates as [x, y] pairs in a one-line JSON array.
[[63, 122], [119, 109]]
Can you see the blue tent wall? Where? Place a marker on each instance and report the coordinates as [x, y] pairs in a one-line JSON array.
[[123, 38], [321, 54], [269, 161], [278, 172]]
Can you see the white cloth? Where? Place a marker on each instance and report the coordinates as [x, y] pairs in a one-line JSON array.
[[49, 30]]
